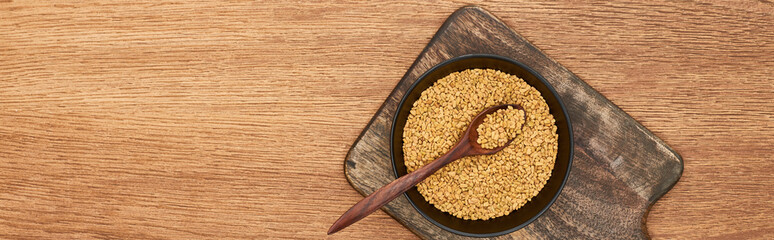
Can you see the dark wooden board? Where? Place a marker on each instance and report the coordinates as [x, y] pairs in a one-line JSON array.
[[620, 168]]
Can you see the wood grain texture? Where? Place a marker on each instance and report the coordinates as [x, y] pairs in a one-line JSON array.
[[619, 167], [193, 119]]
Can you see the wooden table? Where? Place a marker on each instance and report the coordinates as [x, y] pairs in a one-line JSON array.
[[192, 119]]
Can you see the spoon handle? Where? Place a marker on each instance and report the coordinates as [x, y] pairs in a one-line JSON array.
[[383, 195]]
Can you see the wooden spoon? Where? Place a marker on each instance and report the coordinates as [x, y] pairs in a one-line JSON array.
[[467, 146]]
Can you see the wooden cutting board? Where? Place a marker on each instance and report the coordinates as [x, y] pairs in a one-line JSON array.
[[619, 170]]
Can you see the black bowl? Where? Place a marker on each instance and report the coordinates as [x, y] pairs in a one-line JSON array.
[[534, 208]]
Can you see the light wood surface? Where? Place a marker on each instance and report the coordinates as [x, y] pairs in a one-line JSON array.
[[230, 120]]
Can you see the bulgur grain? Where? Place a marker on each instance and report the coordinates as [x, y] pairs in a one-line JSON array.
[[480, 187]]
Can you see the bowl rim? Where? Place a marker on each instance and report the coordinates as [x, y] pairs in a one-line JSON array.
[[531, 71]]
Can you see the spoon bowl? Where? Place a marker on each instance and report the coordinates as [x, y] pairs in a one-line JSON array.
[[472, 133]]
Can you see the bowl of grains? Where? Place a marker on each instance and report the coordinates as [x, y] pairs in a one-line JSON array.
[[486, 195]]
